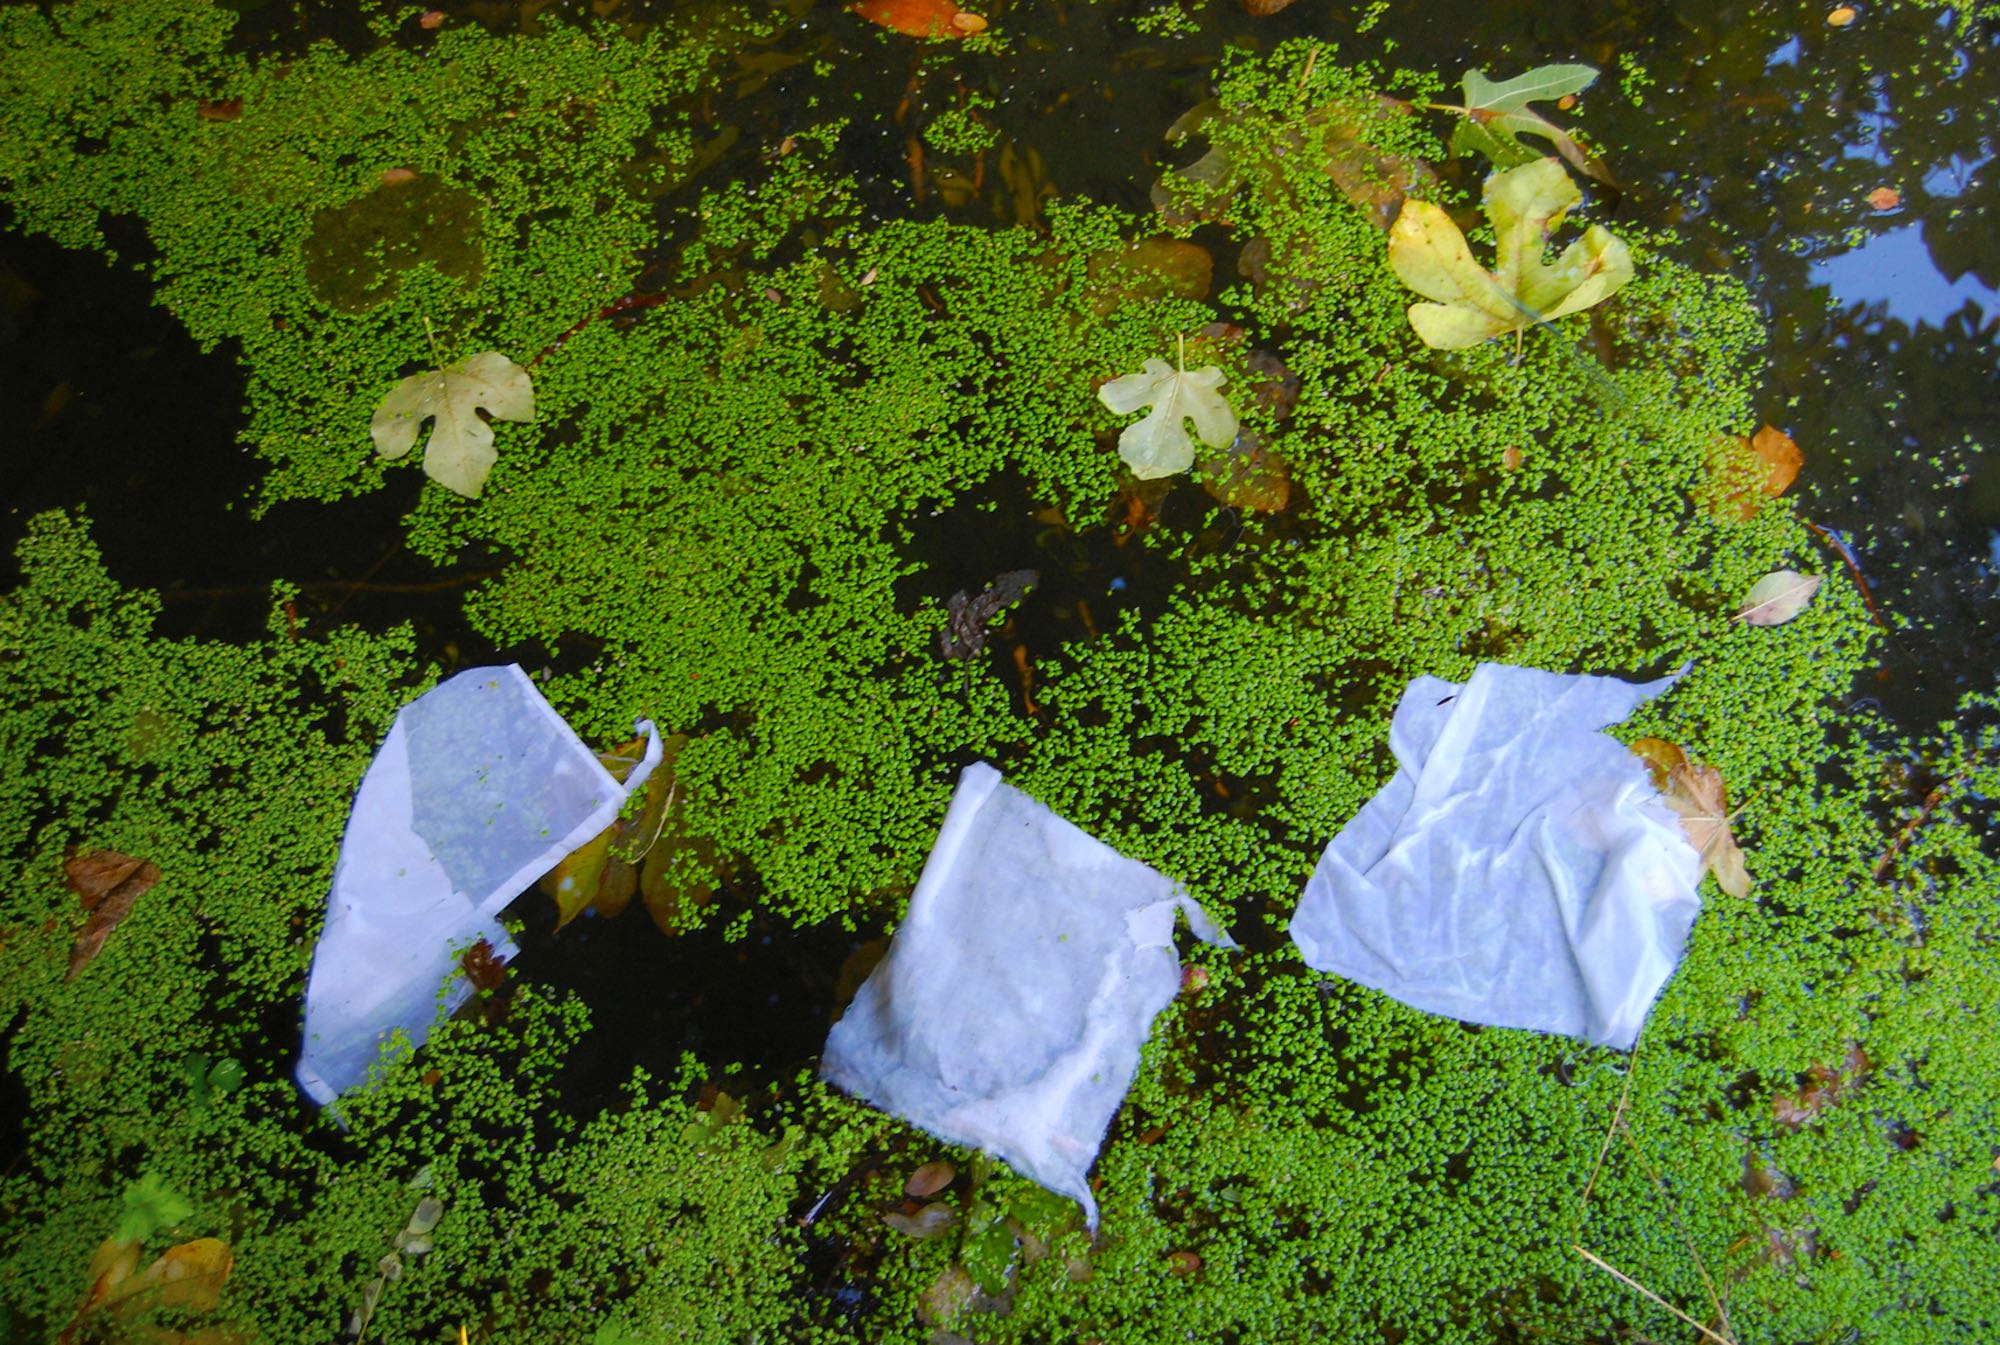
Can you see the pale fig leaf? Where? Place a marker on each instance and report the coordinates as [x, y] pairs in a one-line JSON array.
[[1159, 445], [460, 452], [1778, 597], [1431, 256]]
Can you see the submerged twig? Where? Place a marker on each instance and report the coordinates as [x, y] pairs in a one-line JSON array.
[[1932, 801], [1841, 549]]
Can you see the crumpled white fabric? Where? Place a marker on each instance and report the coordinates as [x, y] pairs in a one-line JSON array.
[[1519, 871], [478, 788], [1009, 1011]]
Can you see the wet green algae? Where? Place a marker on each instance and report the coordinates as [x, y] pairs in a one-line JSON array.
[[715, 522]]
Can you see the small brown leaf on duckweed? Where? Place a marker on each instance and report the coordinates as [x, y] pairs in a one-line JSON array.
[[1510, 458], [108, 884], [1842, 15], [1194, 979], [432, 18], [1698, 795], [930, 1179], [1184, 1263], [219, 109], [1885, 198], [483, 967]]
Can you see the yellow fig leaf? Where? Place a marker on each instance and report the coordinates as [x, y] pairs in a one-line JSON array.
[[460, 452], [1471, 304]]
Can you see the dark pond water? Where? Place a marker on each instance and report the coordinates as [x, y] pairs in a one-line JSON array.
[[1760, 131]]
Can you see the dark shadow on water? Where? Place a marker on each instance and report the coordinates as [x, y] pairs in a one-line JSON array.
[[108, 406], [755, 1009]]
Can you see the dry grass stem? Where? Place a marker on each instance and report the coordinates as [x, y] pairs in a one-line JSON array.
[[1628, 1281]]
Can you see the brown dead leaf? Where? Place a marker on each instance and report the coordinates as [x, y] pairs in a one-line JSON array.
[[431, 20], [1697, 794], [107, 883], [219, 109], [1885, 198], [1824, 1086]]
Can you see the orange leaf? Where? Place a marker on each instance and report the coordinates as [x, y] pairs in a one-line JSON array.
[[1660, 756], [921, 18], [1743, 473]]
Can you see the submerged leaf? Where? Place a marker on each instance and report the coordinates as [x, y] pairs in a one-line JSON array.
[[1431, 256], [1743, 473], [967, 616], [1778, 597], [1698, 795], [933, 1220], [189, 1276], [921, 18], [108, 884], [460, 452], [1158, 445]]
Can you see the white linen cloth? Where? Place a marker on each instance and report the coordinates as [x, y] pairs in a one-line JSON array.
[[477, 790], [1519, 871], [1010, 1008]]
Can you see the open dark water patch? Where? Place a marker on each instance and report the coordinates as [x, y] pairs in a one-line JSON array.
[[107, 405], [753, 1004]]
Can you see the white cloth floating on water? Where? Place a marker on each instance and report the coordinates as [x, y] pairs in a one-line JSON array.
[[478, 789], [1010, 1008], [1519, 871]]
